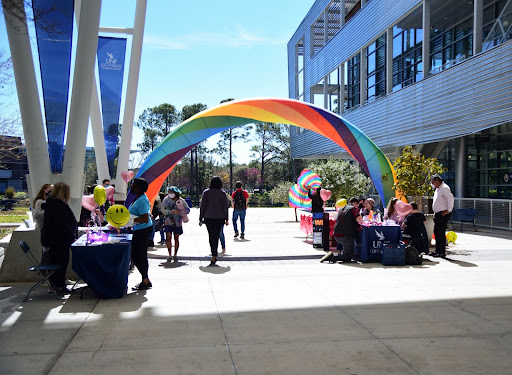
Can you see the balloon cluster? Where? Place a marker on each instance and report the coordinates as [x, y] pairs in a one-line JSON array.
[[98, 198], [298, 194]]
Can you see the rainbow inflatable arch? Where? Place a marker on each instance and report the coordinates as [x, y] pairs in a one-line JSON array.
[[235, 113]]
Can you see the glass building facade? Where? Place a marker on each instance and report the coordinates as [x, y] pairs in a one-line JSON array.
[[430, 73]]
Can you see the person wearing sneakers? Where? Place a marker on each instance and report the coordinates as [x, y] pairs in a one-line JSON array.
[[142, 228], [240, 197], [443, 206], [173, 222]]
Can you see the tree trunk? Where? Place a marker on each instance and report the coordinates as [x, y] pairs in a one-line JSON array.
[[230, 162], [262, 179]]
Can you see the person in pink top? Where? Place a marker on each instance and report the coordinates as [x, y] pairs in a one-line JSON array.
[[240, 198]]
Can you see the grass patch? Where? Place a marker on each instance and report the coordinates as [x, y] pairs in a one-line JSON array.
[[15, 216], [5, 232]]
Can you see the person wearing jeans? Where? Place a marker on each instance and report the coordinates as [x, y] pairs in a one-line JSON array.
[[240, 198], [214, 213]]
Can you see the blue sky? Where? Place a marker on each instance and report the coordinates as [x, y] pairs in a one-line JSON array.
[[206, 51]]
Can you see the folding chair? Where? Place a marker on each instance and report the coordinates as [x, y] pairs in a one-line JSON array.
[[44, 271]]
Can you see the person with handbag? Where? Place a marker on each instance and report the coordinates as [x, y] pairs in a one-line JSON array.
[[214, 213]]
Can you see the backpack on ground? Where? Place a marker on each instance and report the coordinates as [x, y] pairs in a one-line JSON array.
[[240, 203], [412, 256]]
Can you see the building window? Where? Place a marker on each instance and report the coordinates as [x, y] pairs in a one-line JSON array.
[[494, 26], [353, 81], [451, 43], [321, 32], [333, 91], [376, 69], [407, 51], [317, 93], [299, 70]]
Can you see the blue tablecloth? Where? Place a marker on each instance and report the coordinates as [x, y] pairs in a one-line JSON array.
[[371, 238], [103, 267]]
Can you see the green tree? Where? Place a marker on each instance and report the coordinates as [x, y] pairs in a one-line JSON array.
[[156, 123], [343, 178], [413, 173], [273, 145], [225, 143], [187, 112], [279, 193]]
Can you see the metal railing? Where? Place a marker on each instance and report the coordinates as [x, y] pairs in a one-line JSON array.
[[492, 213]]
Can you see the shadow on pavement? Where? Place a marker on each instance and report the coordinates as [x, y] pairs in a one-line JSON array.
[[217, 270]]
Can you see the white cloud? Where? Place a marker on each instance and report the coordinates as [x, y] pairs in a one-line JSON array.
[[234, 39]]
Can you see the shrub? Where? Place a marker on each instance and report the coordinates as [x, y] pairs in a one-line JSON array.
[[9, 192], [279, 194], [21, 195]]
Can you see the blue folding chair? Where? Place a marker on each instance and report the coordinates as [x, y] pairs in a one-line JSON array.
[[44, 271]]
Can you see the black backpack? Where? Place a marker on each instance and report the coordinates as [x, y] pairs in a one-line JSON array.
[[240, 203], [412, 256]]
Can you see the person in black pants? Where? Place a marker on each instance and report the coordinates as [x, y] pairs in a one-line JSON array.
[[442, 206], [214, 213], [142, 229], [59, 231]]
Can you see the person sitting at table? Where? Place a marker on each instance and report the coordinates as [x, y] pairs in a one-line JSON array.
[[414, 226], [371, 212], [58, 233], [391, 213], [142, 228], [346, 231]]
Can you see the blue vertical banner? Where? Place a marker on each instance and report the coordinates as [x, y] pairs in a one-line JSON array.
[[54, 32], [111, 56]]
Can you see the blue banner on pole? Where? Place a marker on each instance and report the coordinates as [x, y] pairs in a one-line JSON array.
[[54, 32], [111, 56]]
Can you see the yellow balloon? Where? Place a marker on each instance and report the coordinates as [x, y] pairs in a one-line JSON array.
[[341, 203], [451, 237], [100, 195], [118, 215]]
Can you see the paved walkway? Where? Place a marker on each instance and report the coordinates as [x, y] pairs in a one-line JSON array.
[[270, 307]]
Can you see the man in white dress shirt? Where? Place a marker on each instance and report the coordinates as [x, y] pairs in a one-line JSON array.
[[443, 207]]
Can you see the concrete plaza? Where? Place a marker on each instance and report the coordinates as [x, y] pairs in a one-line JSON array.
[[270, 307]]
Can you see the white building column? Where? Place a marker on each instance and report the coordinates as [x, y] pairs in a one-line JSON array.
[[100, 151], [478, 11], [389, 61], [326, 26], [342, 13], [426, 39], [461, 167], [28, 96], [362, 82], [131, 97], [326, 91], [341, 100], [87, 45]]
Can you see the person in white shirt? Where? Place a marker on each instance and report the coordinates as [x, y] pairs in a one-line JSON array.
[[442, 207]]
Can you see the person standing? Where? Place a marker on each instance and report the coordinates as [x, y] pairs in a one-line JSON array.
[[37, 209], [214, 213], [142, 228], [240, 198], [442, 206], [59, 231], [347, 228], [173, 223]]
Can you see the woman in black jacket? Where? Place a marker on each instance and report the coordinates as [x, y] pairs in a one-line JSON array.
[[214, 213], [58, 233]]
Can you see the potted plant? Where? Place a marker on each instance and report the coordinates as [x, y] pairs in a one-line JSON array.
[[413, 173]]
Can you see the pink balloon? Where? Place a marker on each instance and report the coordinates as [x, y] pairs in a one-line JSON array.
[[403, 209], [110, 192], [88, 202], [127, 176], [325, 194]]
